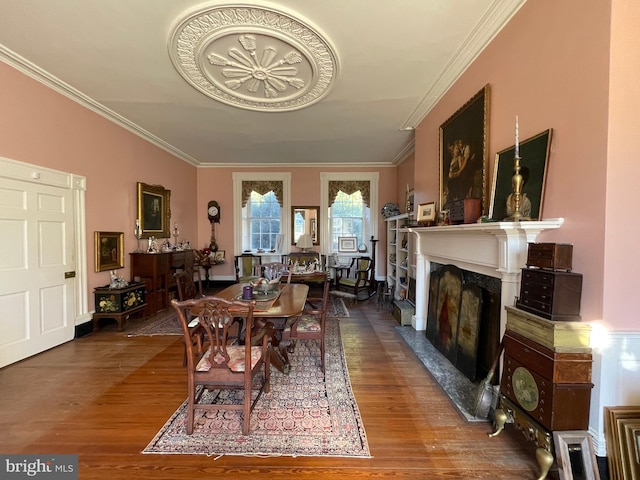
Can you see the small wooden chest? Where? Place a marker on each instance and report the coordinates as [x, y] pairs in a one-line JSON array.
[[467, 210], [554, 256], [556, 336], [402, 312], [550, 294]]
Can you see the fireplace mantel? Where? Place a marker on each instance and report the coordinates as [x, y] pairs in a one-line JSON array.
[[496, 249]]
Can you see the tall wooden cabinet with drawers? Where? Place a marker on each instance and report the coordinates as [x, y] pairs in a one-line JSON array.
[[156, 271], [546, 382]]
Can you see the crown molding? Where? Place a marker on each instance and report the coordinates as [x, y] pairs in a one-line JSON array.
[[495, 18], [47, 79]]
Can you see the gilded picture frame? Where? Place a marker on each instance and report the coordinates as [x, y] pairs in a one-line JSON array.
[[534, 161], [109, 248], [622, 433], [154, 210], [464, 152], [574, 453]]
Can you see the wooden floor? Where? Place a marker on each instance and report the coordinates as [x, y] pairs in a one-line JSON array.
[[104, 396]]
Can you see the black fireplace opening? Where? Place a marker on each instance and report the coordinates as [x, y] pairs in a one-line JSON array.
[[463, 318]]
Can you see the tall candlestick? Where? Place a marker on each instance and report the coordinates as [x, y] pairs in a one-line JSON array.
[[517, 140], [138, 235]]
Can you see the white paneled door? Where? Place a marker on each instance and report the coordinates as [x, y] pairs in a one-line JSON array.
[[37, 268]]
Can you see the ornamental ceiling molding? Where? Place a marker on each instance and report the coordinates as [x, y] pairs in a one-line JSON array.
[[253, 57]]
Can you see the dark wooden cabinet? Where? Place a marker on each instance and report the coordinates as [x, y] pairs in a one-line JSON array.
[[156, 271], [550, 294]]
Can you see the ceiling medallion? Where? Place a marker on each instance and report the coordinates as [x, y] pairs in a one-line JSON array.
[[253, 58]]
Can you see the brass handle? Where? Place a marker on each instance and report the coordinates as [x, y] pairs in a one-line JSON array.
[[70, 274]]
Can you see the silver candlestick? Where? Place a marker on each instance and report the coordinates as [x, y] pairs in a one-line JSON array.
[[176, 234], [138, 234]]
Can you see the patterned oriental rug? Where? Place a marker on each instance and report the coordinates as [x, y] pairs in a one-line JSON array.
[[166, 322], [302, 415]]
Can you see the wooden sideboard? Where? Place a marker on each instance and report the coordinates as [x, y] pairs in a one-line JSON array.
[[156, 271]]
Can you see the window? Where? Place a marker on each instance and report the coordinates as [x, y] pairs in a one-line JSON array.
[[263, 216], [261, 211], [348, 217], [350, 200]]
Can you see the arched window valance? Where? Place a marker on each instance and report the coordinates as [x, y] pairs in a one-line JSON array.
[[262, 187], [350, 187]]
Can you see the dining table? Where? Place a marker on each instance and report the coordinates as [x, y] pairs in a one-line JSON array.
[[272, 319]]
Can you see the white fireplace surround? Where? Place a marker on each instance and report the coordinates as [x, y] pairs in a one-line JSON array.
[[497, 249]]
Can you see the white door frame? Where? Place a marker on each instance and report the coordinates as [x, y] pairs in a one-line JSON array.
[[35, 174]]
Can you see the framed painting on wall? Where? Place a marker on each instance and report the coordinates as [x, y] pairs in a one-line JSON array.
[[464, 152], [154, 211], [108, 250]]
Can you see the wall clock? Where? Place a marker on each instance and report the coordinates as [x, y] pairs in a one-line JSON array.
[[525, 389], [213, 211]]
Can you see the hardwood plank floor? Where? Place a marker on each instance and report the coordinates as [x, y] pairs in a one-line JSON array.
[[104, 396]]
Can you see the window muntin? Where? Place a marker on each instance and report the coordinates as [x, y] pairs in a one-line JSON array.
[[348, 217], [263, 220]]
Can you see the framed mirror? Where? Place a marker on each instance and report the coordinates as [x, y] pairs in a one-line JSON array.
[[305, 220]]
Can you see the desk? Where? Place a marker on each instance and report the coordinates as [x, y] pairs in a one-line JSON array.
[[289, 304]]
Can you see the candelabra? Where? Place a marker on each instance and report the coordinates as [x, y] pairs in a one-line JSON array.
[[138, 233]]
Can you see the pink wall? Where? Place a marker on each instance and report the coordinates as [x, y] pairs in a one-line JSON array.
[[549, 66], [405, 177], [42, 127], [217, 184], [621, 229]]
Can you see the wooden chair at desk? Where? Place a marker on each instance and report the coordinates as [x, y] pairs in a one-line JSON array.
[[311, 324], [224, 365]]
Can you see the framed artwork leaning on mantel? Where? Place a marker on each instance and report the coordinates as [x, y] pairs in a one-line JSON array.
[[534, 161]]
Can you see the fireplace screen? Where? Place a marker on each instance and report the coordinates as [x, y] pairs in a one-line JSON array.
[[462, 319]]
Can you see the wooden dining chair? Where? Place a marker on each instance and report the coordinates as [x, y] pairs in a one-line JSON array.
[[226, 364], [189, 289], [247, 267], [311, 324]]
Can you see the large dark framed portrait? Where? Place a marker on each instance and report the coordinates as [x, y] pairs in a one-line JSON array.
[[108, 250], [154, 211], [464, 152], [534, 158]]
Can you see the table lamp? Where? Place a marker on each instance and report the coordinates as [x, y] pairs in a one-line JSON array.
[[304, 242]]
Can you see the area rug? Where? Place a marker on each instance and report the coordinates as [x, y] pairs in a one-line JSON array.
[[166, 322], [304, 414]]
